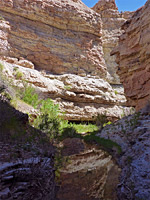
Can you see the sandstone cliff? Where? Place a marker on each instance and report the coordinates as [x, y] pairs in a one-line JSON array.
[[112, 21], [81, 98], [58, 36], [133, 58], [64, 38]]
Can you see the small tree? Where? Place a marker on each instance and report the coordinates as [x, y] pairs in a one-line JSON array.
[[48, 121]]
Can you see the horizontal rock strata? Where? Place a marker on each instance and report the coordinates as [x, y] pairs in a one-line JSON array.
[[61, 38], [90, 174], [57, 36], [81, 98], [133, 58], [112, 21]]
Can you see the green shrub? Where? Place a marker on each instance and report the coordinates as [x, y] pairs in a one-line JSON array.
[[85, 128], [48, 107], [69, 132], [19, 75], [6, 95], [116, 92], [67, 87], [48, 125], [48, 121], [108, 123], [1, 67], [106, 143], [30, 96]]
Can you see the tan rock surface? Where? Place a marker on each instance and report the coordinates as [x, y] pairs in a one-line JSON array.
[[64, 38], [58, 36], [133, 58], [90, 173], [81, 98], [112, 22]]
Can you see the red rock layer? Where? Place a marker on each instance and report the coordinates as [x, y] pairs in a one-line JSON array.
[[133, 58]]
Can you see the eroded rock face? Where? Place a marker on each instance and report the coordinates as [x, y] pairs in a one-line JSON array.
[[112, 22], [132, 133], [58, 36], [133, 58], [63, 38], [81, 98], [90, 173]]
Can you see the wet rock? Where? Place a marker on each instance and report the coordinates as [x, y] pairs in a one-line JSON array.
[[89, 173]]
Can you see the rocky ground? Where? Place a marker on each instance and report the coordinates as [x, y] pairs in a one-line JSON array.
[[133, 135], [26, 163]]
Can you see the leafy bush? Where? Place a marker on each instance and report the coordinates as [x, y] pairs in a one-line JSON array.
[[116, 92], [85, 128], [69, 132], [48, 121], [106, 143], [19, 75], [48, 125], [67, 87], [30, 96]]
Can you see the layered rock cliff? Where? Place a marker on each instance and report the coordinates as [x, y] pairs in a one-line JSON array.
[[112, 21], [57, 36], [91, 172], [133, 58], [64, 38], [81, 98]]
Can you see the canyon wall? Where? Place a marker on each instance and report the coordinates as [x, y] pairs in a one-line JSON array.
[[133, 58], [80, 98], [112, 21], [63, 40], [57, 36]]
